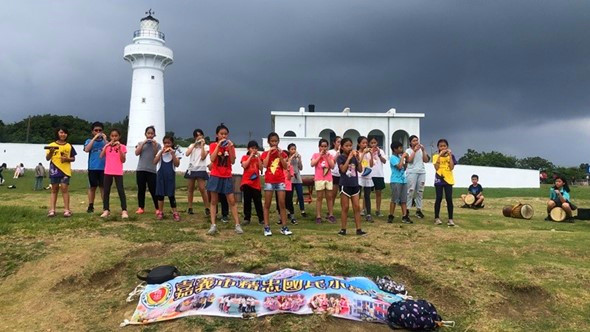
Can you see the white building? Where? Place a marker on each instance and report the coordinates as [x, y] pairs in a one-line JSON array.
[[386, 127], [149, 58]]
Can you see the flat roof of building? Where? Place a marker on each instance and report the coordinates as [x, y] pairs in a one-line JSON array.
[[389, 114]]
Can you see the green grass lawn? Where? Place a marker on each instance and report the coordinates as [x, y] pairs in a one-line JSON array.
[[490, 273]]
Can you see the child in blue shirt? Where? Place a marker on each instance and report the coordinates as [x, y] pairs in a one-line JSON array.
[[559, 196], [398, 183]]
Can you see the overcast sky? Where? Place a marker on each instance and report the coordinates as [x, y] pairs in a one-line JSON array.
[[512, 76]]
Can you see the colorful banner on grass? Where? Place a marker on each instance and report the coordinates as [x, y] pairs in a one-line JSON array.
[[246, 295]]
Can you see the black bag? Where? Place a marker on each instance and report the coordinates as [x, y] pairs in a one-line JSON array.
[[419, 315], [583, 214], [158, 274]]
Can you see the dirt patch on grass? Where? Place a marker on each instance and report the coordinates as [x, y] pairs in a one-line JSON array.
[[61, 271], [521, 301]]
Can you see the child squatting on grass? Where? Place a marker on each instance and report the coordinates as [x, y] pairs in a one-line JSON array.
[[559, 196]]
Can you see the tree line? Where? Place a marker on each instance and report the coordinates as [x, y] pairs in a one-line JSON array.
[[498, 159]]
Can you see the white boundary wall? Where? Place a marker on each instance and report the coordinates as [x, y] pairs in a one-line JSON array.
[[490, 177]]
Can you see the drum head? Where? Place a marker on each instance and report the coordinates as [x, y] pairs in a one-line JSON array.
[[558, 214], [469, 199], [527, 211]]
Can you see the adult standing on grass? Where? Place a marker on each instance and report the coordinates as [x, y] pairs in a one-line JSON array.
[[39, 175], [2, 167], [93, 146], [416, 174], [444, 163], [114, 154], [145, 174], [61, 154]]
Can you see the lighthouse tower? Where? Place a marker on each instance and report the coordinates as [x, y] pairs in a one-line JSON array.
[[149, 58]]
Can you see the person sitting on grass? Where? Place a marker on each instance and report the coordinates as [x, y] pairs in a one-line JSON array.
[[476, 190], [559, 196]]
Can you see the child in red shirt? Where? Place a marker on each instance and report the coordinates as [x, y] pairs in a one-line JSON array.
[[250, 185], [275, 162], [223, 155]]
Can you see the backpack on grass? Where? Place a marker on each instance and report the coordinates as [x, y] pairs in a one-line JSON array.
[[158, 274], [415, 315]]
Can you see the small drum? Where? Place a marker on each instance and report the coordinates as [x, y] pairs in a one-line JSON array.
[[469, 199], [557, 214], [520, 211]]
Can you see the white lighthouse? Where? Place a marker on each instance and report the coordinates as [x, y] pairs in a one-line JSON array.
[[149, 58]]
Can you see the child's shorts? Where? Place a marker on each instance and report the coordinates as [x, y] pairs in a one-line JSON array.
[[366, 182], [196, 175], [399, 193], [275, 186], [323, 185], [350, 191], [379, 184], [60, 180], [95, 178], [220, 185]]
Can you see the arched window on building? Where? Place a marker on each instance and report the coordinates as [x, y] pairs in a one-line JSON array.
[[353, 135], [328, 134], [402, 137], [289, 134], [380, 136]]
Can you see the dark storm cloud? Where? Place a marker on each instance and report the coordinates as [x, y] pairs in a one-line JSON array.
[[484, 68]]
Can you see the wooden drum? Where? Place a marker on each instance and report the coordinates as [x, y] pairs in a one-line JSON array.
[[520, 211], [469, 199], [557, 214]]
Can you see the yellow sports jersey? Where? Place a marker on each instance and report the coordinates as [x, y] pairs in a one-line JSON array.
[[444, 169], [57, 168]]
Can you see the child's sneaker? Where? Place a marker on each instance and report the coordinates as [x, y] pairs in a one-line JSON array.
[[176, 216], [407, 220], [450, 223], [378, 214], [369, 218], [190, 211], [363, 212], [267, 231], [212, 230], [124, 215], [419, 214], [293, 221], [90, 209], [239, 229], [360, 232], [139, 211], [390, 219], [246, 222], [260, 222], [303, 214], [332, 219], [285, 230], [105, 214], [224, 219], [437, 221], [279, 222], [159, 215], [318, 220], [208, 212], [342, 232]]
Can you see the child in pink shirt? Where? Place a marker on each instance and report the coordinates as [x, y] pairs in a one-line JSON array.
[[114, 153], [323, 163]]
